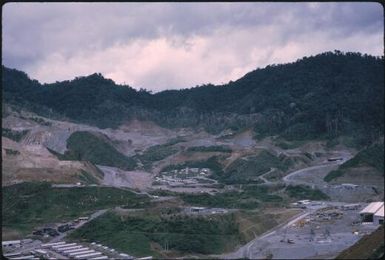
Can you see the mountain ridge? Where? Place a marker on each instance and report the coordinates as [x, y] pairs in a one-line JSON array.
[[327, 95]]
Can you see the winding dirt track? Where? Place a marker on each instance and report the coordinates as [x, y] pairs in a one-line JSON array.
[[312, 176]]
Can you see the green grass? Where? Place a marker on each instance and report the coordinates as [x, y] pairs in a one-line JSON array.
[[214, 148], [252, 197], [222, 200], [333, 175], [88, 178], [13, 135], [84, 146], [133, 234], [372, 156], [305, 192], [27, 205], [156, 153], [246, 170]]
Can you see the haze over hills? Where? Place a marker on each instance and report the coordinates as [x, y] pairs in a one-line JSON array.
[[327, 95]]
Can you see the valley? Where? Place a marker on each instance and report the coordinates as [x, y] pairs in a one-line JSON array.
[[175, 169], [279, 163]]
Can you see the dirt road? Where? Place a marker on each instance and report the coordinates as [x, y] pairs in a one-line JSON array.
[[312, 176]]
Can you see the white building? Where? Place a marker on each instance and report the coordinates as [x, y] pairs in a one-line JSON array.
[[378, 217], [10, 243], [369, 212], [88, 256]]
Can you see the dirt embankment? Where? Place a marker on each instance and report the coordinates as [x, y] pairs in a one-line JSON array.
[[35, 163], [131, 179], [366, 247]]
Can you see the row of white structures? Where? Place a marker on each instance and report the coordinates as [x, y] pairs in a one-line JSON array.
[[74, 251], [374, 213]]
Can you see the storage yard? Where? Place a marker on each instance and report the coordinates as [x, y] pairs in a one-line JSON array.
[[64, 250], [322, 231]]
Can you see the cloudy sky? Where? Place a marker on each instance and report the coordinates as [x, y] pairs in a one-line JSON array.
[[178, 45]]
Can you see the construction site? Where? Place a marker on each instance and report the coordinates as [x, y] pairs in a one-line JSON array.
[[320, 232]]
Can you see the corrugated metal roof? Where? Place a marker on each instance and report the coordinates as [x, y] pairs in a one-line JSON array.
[[380, 212], [372, 207]]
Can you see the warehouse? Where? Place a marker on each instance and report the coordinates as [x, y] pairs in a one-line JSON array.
[[68, 248], [81, 253], [378, 218], [87, 256], [68, 252], [367, 214], [53, 244]]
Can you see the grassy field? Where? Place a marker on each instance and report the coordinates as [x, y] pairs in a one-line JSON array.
[[156, 153], [88, 178], [305, 192], [28, 205], [372, 156], [84, 146], [253, 196], [245, 170], [255, 223], [138, 234]]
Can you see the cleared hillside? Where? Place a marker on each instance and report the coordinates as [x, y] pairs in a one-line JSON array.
[[84, 146]]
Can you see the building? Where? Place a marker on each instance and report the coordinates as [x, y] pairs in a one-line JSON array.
[[11, 244], [379, 216], [369, 212]]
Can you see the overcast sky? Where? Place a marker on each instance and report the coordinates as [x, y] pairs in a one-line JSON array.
[[161, 46]]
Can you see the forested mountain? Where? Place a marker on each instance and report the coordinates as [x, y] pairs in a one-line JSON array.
[[326, 95]]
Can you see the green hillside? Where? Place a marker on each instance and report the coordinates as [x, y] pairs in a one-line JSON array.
[[84, 146], [246, 170], [372, 156], [322, 96], [27, 205], [133, 234]]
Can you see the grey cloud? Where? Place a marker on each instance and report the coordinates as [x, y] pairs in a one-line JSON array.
[[33, 32]]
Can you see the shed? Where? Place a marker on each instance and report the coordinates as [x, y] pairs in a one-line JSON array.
[[367, 214]]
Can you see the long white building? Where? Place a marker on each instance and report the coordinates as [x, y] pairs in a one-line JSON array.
[[374, 213], [378, 217]]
